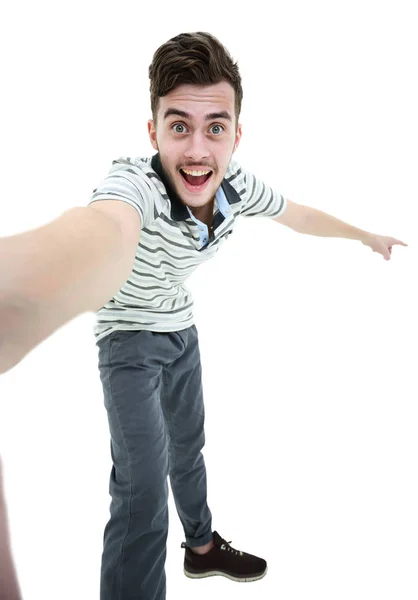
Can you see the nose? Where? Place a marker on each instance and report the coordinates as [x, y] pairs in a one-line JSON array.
[[197, 147]]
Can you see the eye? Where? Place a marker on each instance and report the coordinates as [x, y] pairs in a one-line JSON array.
[[219, 126], [177, 125]]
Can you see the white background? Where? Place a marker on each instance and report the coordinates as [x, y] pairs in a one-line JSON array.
[[308, 344]]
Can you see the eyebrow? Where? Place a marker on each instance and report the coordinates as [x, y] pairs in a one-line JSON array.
[[181, 113]]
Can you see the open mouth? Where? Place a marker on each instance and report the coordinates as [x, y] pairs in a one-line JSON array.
[[197, 181]]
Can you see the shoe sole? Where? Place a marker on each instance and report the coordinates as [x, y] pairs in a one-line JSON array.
[[211, 573]]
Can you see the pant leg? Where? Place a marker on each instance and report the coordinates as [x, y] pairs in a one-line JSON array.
[[134, 552], [183, 408]]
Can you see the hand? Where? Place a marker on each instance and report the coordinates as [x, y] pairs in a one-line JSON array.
[[9, 585], [382, 244]]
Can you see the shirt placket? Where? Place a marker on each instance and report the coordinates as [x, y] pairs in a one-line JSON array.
[[202, 230]]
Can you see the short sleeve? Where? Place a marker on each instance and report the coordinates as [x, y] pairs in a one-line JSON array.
[[260, 200], [126, 181]]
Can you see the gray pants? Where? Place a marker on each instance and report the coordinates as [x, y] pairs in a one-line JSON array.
[[153, 397]]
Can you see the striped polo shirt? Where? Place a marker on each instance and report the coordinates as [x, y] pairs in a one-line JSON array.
[[173, 242]]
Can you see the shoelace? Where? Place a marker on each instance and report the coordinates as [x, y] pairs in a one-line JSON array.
[[224, 546], [228, 548]]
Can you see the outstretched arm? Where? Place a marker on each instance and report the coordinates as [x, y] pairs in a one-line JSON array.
[[305, 219], [53, 273]]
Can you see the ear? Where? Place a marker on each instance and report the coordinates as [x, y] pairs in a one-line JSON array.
[[238, 137], [152, 132]]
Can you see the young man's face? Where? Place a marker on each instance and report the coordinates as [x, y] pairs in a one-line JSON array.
[[202, 140]]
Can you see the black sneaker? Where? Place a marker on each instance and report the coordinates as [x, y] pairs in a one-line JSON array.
[[224, 560]]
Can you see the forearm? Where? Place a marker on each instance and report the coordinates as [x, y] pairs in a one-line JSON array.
[[24, 326], [324, 225], [65, 263], [54, 273]]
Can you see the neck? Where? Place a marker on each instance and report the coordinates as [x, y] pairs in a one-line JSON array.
[[204, 213]]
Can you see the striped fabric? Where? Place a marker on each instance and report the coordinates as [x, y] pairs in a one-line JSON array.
[[172, 241]]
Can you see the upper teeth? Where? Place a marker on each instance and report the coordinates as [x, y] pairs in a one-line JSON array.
[[195, 173]]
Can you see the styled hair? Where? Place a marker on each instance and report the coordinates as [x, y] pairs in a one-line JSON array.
[[195, 58]]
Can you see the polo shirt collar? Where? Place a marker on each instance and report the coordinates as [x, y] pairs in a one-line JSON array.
[[179, 210]]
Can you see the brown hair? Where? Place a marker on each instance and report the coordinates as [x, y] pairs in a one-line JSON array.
[[196, 58]]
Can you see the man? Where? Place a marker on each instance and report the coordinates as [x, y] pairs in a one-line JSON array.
[[148, 225]]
